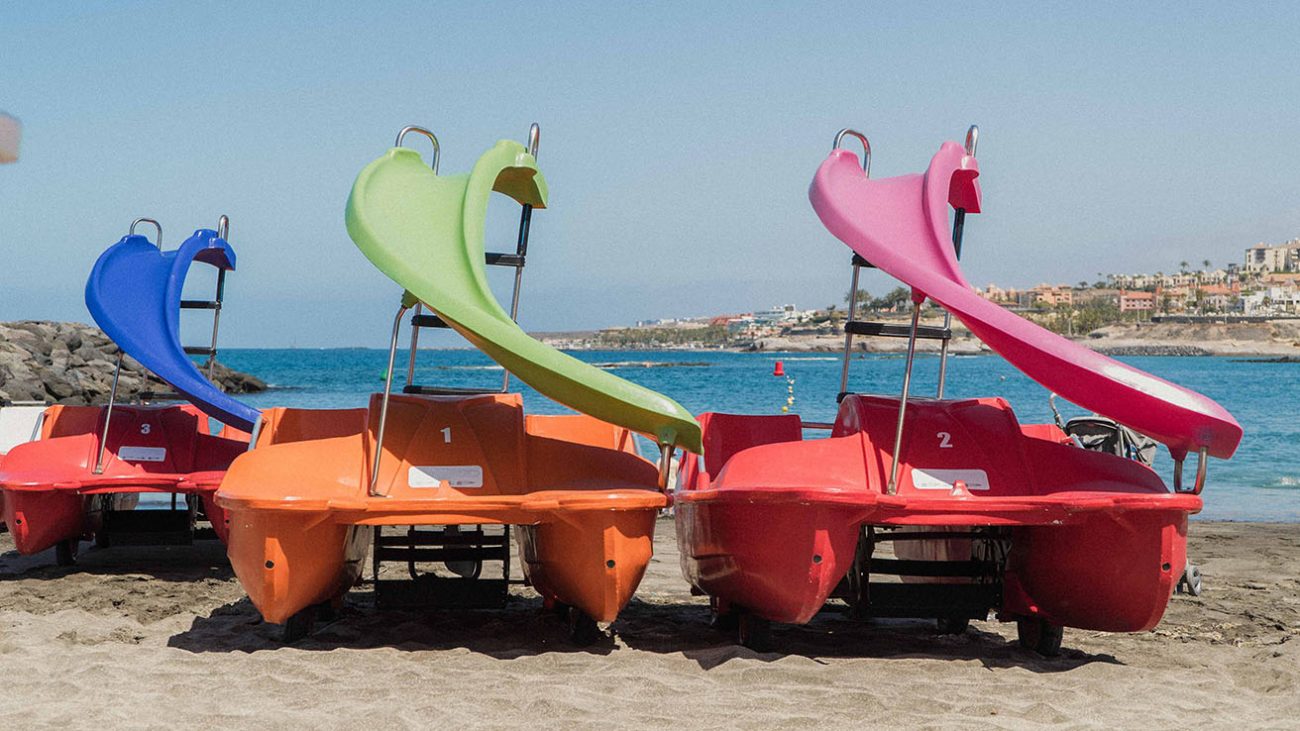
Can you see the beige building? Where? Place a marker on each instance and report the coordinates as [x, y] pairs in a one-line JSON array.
[[1275, 258]]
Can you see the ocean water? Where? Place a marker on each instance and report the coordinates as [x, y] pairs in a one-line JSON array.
[[1261, 482]]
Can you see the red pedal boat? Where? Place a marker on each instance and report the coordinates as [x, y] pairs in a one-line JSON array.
[[981, 512], [83, 474]]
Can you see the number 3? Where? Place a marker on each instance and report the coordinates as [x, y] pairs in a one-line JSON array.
[[144, 428], [945, 440]]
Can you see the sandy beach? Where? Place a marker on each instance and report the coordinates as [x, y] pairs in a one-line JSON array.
[[163, 637]]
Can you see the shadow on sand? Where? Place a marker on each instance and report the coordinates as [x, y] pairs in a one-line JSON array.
[[523, 628]]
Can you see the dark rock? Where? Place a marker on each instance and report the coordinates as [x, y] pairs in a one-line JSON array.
[[73, 363]]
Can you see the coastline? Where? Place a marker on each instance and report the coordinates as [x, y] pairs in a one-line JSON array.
[[1269, 339]]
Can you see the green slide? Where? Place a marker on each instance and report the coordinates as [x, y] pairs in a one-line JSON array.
[[425, 231]]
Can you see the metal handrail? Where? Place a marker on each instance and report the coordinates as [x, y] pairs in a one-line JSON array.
[[521, 243], [892, 487], [117, 369], [866, 146], [156, 225], [958, 228], [853, 282], [383, 408], [437, 149], [1202, 463], [223, 232]]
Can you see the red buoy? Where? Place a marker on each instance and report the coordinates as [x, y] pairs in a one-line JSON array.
[[779, 370]]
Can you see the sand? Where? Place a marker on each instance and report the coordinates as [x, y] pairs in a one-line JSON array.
[[163, 637]]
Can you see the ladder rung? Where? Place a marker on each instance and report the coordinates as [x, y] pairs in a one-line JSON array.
[[431, 555], [887, 330], [200, 305], [447, 391], [442, 539], [199, 350], [504, 260], [429, 320], [904, 567]]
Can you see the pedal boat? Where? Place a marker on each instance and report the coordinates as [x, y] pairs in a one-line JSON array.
[[984, 513], [304, 502], [87, 461]]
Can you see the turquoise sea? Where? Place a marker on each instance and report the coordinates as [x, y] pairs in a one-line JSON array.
[[1262, 482]]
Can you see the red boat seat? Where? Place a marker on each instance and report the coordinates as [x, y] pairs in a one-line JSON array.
[[727, 434]]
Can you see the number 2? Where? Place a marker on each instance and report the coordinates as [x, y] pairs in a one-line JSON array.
[[945, 440], [446, 435]]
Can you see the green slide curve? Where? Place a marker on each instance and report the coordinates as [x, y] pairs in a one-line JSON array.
[[425, 231]]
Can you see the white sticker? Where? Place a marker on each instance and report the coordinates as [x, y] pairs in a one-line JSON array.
[[945, 479], [142, 454], [453, 475]]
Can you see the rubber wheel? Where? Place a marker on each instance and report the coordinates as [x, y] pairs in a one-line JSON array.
[[583, 630], [1042, 637], [1190, 582], [754, 632], [723, 621], [299, 625], [65, 552], [953, 625]]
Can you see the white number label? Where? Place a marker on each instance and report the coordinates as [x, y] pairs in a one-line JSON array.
[[945, 440], [144, 428], [446, 435]]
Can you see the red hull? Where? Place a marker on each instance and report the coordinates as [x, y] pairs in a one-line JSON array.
[[1096, 541], [48, 484]]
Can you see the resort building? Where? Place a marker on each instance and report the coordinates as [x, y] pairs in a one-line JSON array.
[[1274, 258], [1136, 301], [1046, 295]]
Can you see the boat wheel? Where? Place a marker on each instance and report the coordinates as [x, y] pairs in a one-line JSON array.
[[953, 625], [1190, 581], [1040, 636], [583, 630], [65, 552], [754, 632], [299, 625]]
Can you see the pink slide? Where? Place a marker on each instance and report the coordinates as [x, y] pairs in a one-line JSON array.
[[901, 226]]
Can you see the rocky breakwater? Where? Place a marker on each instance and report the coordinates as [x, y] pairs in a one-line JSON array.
[[72, 363]]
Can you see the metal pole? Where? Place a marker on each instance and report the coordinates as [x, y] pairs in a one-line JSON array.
[[848, 333], [665, 465], [892, 488], [223, 230], [383, 408], [958, 228], [415, 343], [108, 415], [521, 243]]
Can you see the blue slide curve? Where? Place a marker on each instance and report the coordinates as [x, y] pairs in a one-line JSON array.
[[134, 294]]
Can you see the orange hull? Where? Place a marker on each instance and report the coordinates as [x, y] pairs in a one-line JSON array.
[[299, 507]]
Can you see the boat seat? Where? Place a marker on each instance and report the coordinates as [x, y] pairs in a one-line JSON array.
[[134, 295], [425, 231], [900, 225], [727, 434]]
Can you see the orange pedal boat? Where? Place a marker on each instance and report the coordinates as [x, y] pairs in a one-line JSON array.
[[318, 487]]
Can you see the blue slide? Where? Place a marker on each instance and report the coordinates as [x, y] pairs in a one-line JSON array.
[[134, 294]]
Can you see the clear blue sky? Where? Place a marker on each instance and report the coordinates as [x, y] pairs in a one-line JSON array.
[[678, 141]]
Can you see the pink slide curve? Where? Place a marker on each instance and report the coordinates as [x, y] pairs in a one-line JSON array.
[[900, 225]]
